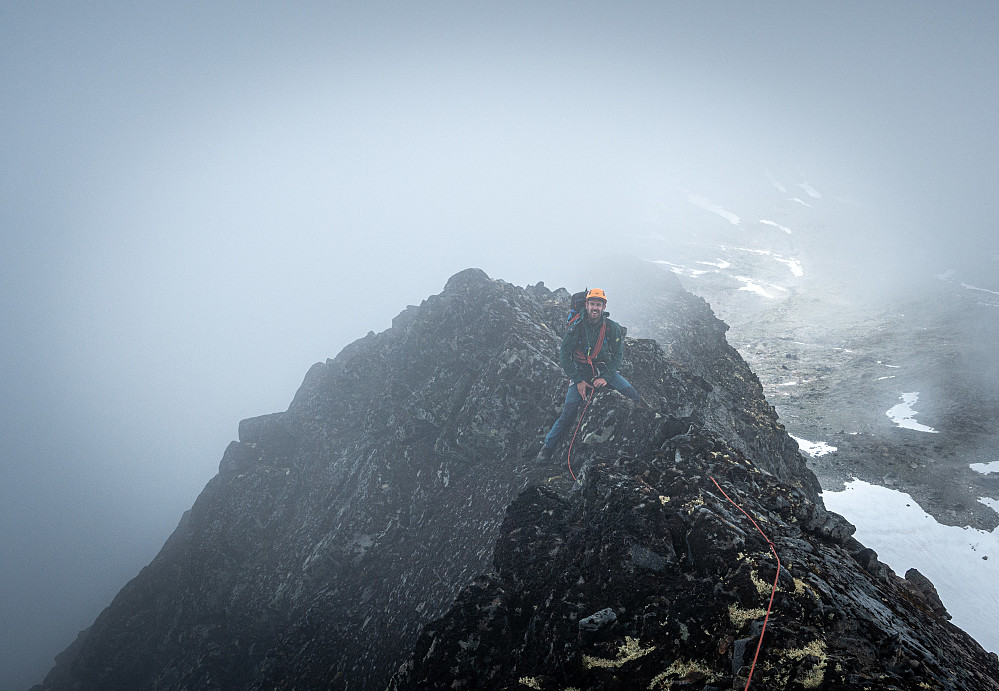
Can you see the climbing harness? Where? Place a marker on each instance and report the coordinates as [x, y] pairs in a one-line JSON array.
[[773, 592], [590, 356]]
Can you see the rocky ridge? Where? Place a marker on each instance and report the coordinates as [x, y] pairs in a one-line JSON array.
[[335, 531], [649, 576]]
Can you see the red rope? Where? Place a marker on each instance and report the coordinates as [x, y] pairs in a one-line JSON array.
[[589, 397], [568, 459], [772, 592]]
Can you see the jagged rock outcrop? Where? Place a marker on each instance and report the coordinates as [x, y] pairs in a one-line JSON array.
[[649, 577], [335, 531]]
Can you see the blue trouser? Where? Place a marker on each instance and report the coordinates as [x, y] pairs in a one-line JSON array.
[[573, 399]]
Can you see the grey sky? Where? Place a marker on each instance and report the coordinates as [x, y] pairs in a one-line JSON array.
[[198, 200]]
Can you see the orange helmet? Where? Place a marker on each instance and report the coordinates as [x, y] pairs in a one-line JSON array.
[[596, 294]]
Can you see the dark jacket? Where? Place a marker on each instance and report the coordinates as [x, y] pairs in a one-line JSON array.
[[583, 336]]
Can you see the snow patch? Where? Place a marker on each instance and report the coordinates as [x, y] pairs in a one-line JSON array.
[[984, 290], [754, 287], [791, 263], [721, 264], [707, 205], [986, 468], [776, 225], [813, 448], [681, 270], [810, 191], [963, 563], [948, 277], [904, 416]]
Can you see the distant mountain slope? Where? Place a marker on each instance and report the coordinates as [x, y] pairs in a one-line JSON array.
[[839, 317]]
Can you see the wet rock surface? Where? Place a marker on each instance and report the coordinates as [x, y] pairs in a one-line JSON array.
[[336, 530], [648, 576]]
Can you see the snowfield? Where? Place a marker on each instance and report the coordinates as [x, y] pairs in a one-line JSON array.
[[903, 414], [963, 563], [813, 448]]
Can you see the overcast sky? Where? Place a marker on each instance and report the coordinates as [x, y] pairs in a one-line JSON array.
[[198, 200]]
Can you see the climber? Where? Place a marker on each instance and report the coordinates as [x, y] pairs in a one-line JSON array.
[[591, 352]]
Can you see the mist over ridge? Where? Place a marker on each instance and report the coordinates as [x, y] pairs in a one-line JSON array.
[[199, 203]]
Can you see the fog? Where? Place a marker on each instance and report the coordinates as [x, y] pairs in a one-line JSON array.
[[201, 200]]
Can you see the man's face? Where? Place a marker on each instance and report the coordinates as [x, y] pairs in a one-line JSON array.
[[594, 308]]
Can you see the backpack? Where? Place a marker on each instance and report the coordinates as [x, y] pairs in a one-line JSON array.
[[577, 303]]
